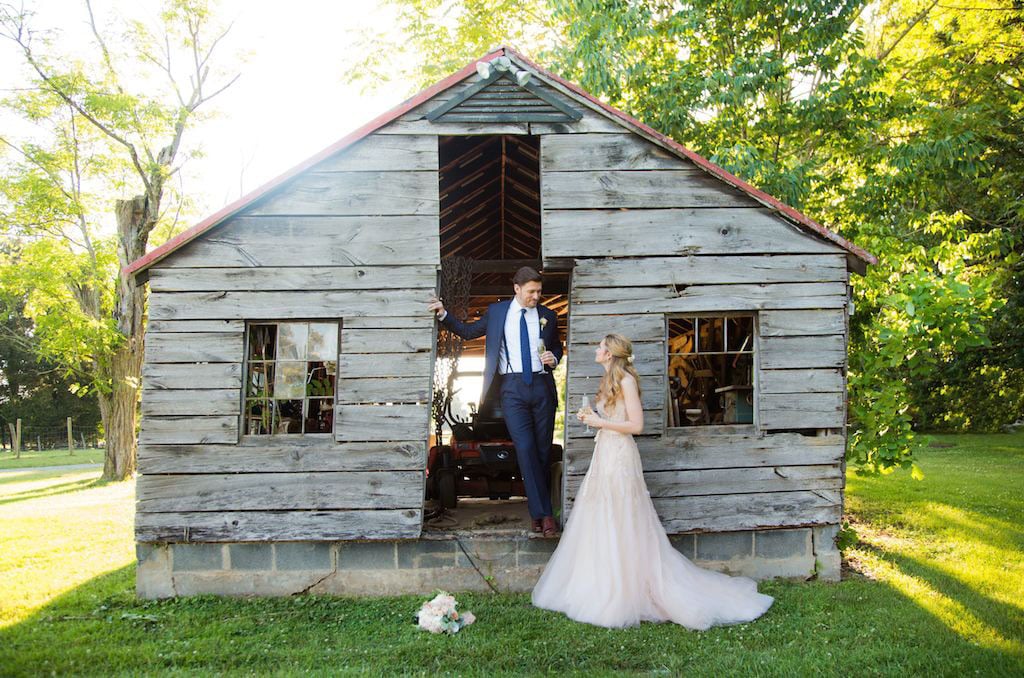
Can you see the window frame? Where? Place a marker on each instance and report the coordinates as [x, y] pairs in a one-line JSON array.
[[753, 428], [271, 437]]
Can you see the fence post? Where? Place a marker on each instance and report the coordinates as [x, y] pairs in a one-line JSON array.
[[81, 436], [71, 439]]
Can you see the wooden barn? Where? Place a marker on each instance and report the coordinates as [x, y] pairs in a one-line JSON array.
[[289, 363]]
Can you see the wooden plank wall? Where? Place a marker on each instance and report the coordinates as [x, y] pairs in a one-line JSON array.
[[354, 240], [652, 236]]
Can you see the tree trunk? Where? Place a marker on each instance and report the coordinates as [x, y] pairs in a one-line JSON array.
[[118, 409], [123, 369]]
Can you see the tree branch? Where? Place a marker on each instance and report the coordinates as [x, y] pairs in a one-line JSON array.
[[108, 62], [910, 26], [16, 31], [77, 186], [55, 180]]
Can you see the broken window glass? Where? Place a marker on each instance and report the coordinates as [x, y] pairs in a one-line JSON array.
[[710, 370], [290, 378]]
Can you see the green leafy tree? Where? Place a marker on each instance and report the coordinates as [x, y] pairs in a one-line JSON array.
[[96, 128], [33, 390], [951, 179]]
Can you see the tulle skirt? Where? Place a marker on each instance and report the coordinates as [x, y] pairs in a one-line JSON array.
[[615, 567]]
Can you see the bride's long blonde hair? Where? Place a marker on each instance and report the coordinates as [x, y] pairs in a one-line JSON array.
[[621, 348]]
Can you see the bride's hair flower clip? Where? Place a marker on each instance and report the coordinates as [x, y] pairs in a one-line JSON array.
[[629, 359]]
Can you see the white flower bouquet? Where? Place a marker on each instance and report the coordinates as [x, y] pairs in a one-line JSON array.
[[441, 616]]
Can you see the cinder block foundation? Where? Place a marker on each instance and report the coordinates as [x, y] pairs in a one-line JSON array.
[[452, 562]]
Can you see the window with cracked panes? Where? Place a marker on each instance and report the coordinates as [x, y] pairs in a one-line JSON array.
[[710, 370], [290, 372]]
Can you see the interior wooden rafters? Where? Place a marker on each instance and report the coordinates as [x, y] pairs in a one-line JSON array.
[[489, 190], [478, 221]]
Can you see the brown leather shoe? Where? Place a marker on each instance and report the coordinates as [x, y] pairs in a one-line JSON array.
[[549, 525], [537, 527]]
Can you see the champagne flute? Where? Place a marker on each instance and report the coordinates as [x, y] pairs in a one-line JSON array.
[[541, 348], [586, 406]]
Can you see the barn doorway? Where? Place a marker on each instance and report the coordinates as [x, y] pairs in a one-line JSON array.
[[490, 226]]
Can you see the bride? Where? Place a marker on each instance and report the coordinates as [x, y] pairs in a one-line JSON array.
[[614, 565]]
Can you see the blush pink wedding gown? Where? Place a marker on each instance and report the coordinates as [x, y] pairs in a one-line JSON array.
[[614, 565]]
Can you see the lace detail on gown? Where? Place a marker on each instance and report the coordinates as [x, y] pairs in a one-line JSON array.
[[614, 565]]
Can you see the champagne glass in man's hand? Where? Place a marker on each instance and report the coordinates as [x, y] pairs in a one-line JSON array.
[[541, 351]]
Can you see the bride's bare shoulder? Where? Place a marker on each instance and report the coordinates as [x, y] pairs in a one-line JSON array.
[[628, 381]]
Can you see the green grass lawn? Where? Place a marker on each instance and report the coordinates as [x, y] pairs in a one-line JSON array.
[[31, 458], [935, 587]]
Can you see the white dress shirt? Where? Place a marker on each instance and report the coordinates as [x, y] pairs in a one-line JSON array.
[[514, 356]]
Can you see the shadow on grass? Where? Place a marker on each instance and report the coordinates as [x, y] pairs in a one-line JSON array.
[[53, 490], [44, 462], [39, 643], [35, 475], [995, 532], [1003, 619], [101, 628], [893, 500]]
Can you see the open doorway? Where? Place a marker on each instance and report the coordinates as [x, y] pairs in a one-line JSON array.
[[490, 226]]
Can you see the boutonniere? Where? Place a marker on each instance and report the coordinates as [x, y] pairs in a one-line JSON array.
[[543, 322]]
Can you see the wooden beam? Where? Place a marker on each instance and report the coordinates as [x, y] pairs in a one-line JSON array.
[[503, 265], [557, 287]]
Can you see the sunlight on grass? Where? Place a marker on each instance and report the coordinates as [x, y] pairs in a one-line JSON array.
[[951, 612], [60, 530], [952, 543]]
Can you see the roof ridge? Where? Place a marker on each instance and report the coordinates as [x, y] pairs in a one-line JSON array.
[[183, 238]]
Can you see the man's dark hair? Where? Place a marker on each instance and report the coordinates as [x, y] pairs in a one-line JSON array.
[[525, 275]]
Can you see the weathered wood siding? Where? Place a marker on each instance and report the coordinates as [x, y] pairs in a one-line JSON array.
[[651, 236], [354, 240]]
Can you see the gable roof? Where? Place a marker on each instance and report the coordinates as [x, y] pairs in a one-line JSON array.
[[862, 256]]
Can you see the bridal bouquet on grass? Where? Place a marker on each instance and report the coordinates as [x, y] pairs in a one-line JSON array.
[[439, 615]]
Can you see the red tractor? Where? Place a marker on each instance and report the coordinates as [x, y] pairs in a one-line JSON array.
[[481, 462]]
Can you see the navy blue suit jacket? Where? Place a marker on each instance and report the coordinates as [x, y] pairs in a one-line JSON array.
[[492, 323]]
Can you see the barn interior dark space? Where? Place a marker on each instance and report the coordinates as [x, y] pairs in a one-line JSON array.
[[490, 215], [490, 226]]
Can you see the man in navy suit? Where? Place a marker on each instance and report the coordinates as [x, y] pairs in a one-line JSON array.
[[526, 386]]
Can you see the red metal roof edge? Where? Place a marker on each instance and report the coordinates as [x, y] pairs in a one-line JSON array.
[[187, 236], [220, 215], [705, 164]]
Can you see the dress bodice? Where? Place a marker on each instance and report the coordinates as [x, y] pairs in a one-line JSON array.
[[616, 413]]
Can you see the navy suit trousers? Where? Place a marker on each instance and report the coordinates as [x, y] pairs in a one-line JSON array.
[[529, 411]]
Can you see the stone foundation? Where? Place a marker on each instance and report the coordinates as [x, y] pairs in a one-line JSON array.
[[461, 562]]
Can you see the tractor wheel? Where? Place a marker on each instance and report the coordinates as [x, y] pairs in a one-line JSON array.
[[446, 488]]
